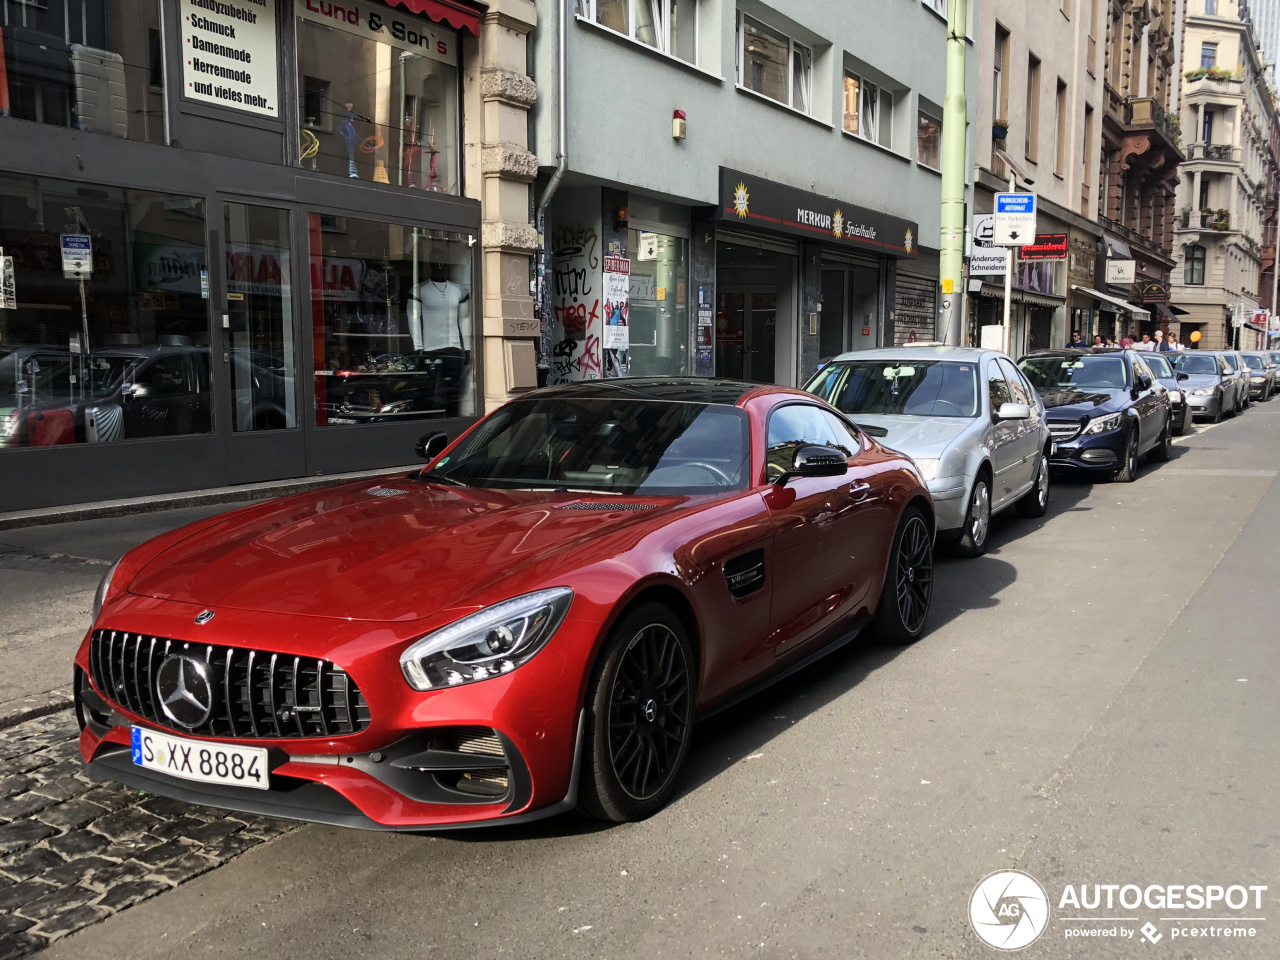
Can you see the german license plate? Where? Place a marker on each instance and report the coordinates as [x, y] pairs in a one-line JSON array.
[[200, 760]]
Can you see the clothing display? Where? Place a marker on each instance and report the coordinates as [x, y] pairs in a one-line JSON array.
[[439, 315]]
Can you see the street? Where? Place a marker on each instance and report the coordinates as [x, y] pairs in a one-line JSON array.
[[1095, 702]]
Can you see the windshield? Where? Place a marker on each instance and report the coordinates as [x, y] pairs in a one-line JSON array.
[[1159, 366], [605, 445], [1254, 363], [1076, 373], [1201, 366], [913, 388]]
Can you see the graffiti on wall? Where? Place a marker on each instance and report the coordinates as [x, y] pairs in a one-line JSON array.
[[575, 304]]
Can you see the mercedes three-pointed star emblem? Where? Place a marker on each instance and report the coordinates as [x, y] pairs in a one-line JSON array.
[[184, 690]]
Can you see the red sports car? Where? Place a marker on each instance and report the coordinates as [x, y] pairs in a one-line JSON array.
[[530, 624]]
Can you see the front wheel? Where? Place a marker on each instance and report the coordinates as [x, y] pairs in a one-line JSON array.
[[1129, 472], [639, 716], [908, 582], [977, 520], [1035, 502]]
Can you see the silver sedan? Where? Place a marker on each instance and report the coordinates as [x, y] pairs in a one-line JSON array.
[[967, 417]]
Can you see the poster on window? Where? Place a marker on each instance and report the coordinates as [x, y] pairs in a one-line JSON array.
[[229, 54], [617, 284]]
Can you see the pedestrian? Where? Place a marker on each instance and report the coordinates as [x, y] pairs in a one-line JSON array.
[[1076, 342], [1145, 343], [1174, 345], [1161, 345], [1098, 341], [1125, 342]]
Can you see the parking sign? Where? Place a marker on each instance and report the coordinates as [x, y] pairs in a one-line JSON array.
[[1015, 223]]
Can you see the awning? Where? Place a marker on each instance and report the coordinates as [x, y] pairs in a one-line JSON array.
[[456, 15], [1166, 312], [1114, 301], [1117, 249], [1022, 296]]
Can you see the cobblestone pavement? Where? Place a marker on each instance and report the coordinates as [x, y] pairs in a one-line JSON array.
[[75, 850]]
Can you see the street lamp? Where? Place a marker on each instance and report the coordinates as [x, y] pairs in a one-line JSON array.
[[1015, 172]]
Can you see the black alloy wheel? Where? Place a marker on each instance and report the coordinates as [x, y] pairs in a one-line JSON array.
[[639, 716], [908, 583], [1129, 472]]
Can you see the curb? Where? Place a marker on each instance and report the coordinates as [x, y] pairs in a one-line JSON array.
[[194, 498], [19, 711]]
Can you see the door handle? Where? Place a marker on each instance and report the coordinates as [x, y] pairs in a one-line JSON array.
[[859, 491]]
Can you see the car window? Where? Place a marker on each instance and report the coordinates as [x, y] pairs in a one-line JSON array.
[[1017, 386], [1225, 366], [167, 377], [1141, 369], [847, 438], [1159, 366], [997, 387], [1230, 360], [792, 426]]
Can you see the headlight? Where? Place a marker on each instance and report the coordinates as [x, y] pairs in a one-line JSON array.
[[104, 587], [488, 643], [1175, 396], [928, 468], [1204, 392], [1257, 379], [1103, 424]]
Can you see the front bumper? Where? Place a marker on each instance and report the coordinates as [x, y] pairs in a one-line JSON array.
[[1258, 390], [1098, 452], [414, 767], [1209, 406], [950, 502]]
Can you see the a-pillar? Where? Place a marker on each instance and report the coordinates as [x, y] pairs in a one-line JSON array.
[[500, 172]]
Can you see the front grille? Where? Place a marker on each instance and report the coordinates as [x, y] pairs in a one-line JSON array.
[[481, 742], [256, 693], [1064, 429]]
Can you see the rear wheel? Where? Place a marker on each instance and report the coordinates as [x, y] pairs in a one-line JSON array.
[[1035, 501], [1163, 449], [639, 716], [977, 520], [908, 583], [1129, 472]]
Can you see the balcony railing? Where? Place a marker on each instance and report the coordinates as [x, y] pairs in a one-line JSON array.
[[1215, 220], [1221, 152], [1134, 238], [1146, 110]]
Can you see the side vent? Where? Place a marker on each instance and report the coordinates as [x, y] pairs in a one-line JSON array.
[[745, 574]]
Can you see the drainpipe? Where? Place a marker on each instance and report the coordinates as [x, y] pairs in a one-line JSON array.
[[562, 164], [954, 132]]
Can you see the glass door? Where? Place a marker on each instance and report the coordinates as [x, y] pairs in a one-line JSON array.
[[260, 345]]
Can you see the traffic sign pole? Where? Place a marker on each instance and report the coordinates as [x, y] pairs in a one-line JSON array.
[[1008, 285], [1014, 226]]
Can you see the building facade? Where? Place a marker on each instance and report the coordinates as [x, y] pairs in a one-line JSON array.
[[745, 188], [1039, 117], [246, 240], [1227, 106]]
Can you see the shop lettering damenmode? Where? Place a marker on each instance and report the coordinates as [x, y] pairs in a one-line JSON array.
[[220, 50]]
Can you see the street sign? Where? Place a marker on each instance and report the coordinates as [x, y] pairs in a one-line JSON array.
[[1121, 271], [77, 256], [985, 259], [1047, 246], [1015, 219]]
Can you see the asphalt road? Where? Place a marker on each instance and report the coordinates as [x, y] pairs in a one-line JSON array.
[[1095, 703]]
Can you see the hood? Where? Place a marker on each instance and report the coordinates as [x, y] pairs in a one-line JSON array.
[[1198, 381], [915, 436], [1071, 404], [396, 550]]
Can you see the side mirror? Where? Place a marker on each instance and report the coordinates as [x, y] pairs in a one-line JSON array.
[[1014, 411], [431, 445], [1144, 382], [816, 461], [1184, 376]]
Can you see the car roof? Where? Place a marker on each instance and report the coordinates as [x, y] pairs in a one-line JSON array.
[[909, 352], [1068, 352], [676, 389]]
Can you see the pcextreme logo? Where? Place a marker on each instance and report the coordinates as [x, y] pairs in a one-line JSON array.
[[1009, 910]]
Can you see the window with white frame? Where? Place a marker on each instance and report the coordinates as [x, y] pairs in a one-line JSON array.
[[937, 6], [773, 65], [929, 140], [667, 25], [868, 110]]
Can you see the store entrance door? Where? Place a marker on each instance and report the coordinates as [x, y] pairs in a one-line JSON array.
[[746, 334], [255, 356], [850, 309]]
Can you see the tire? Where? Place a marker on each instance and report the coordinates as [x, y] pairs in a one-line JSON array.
[[1163, 449], [908, 582], [639, 716], [1035, 502], [1183, 422], [977, 519], [1129, 472], [1217, 417]]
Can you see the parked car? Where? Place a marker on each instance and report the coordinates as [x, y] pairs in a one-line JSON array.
[[1241, 374], [1211, 387], [1105, 409], [967, 418], [531, 623], [1262, 374], [1171, 380]]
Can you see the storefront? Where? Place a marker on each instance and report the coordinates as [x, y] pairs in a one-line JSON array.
[[1037, 307], [277, 264]]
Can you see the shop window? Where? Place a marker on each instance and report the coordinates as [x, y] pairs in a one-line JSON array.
[[392, 321], [667, 25], [929, 141], [122, 354], [773, 65], [1193, 269], [85, 64], [378, 104], [658, 305]]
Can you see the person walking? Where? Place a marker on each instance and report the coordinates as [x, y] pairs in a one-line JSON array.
[[1145, 344], [1174, 345], [1076, 342], [1161, 345], [1098, 341]]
